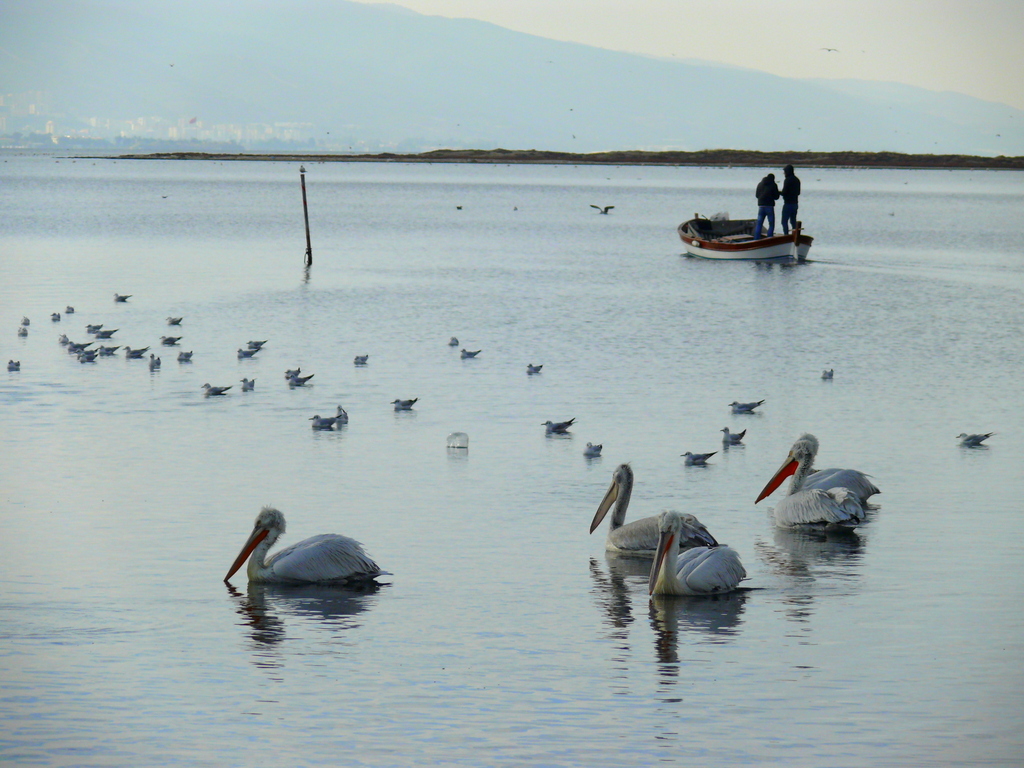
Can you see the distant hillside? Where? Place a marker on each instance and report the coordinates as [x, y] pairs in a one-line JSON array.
[[384, 74]]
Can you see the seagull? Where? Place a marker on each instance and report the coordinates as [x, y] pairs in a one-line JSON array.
[[106, 334], [185, 357], [602, 210], [744, 407], [118, 297], [299, 381], [532, 369], [248, 385], [453, 342], [592, 451], [170, 341], [74, 348], [973, 441], [174, 320], [828, 374], [256, 344], [558, 428], [341, 416], [326, 422], [154, 362], [292, 373], [22, 330], [246, 353], [14, 365], [134, 354], [732, 438], [834, 50], [404, 405], [87, 356], [698, 459], [466, 354], [107, 351], [69, 310], [93, 328], [55, 317], [361, 359], [25, 321], [214, 391], [63, 339]]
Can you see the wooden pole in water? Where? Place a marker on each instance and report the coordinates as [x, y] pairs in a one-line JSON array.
[[305, 213]]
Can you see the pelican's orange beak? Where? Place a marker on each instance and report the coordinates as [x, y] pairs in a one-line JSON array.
[[605, 505], [258, 535], [788, 468], [664, 543]]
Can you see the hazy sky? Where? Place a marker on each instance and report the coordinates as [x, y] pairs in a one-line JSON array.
[[970, 46]]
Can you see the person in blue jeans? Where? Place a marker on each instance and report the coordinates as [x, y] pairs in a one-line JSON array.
[[767, 193], [790, 195]]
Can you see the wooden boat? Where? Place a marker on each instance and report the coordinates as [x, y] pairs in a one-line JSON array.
[[733, 240]]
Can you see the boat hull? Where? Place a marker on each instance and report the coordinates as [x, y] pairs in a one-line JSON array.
[[793, 247]]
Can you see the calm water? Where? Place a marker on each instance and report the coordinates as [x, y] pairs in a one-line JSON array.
[[506, 636]]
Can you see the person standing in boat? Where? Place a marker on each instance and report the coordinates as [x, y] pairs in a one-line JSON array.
[[767, 193], [790, 195]]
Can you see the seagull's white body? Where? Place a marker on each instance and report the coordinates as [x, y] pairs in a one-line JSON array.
[[299, 381], [592, 450], [14, 365], [55, 317], [744, 407], [248, 385], [639, 537], [22, 330], [404, 405], [973, 441], [325, 558], [361, 359], [247, 353], [122, 297], [185, 357], [818, 499], [557, 427], [341, 416], [133, 354], [93, 328], [106, 334], [827, 374], [170, 341], [69, 310], [291, 373], [154, 362], [531, 369], [697, 459], [256, 344], [174, 320], [325, 422], [466, 354], [214, 391], [732, 438], [26, 321], [698, 571], [453, 342]]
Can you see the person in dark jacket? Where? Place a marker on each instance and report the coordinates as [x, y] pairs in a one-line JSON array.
[[790, 195], [767, 193]]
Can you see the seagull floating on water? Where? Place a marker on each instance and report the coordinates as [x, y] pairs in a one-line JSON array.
[[134, 354], [697, 459], [827, 374], [174, 320], [602, 210], [154, 362], [404, 405], [289, 373], [341, 416], [732, 438], [122, 297], [453, 342], [106, 334], [744, 407], [244, 354], [361, 359], [558, 427], [256, 344], [248, 385], [592, 451], [213, 391], [87, 356], [711, 570], [63, 340], [466, 354], [170, 341], [107, 351], [531, 369], [185, 357], [55, 317], [13, 365], [25, 321], [322, 423], [22, 330], [93, 328], [973, 441], [299, 381], [69, 310]]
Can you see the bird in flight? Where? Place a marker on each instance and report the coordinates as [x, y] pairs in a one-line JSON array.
[[830, 49], [602, 210]]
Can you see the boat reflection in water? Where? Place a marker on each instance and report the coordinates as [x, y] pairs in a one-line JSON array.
[[268, 609]]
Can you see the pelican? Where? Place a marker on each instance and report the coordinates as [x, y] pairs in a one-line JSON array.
[[592, 450], [732, 438], [248, 385], [326, 422], [639, 537], [324, 558], [827, 374], [828, 502], [185, 357], [744, 407], [22, 330], [453, 342], [170, 341], [404, 405], [361, 359], [69, 310], [55, 317], [214, 391], [697, 459], [559, 427], [256, 344], [154, 362], [118, 297], [106, 334], [174, 320], [602, 210], [299, 381], [973, 441], [245, 354], [93, 328], [108, 351], [13, 365], [132, 354], [341, 416], [711, 570], [532, 369], [466, 354]]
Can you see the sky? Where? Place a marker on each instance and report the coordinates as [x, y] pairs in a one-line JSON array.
[[972, 47]]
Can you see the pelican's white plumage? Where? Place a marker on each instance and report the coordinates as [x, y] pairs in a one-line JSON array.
[[818, 499], [324, 558], [699, 571], [639, 537]]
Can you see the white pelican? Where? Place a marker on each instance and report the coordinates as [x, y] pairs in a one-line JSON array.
[[213, 391], [185, 357], [973, 441], [174, 320], [170, 341], [69, 310], [404, 405], [466, 354], [732, 438], [324, 558], [22, 330], [698, 459], [248, 385], [532, 369], [592, 450], [558, 427], [326, 422], [341, 416], [107, 351], [639, 537], [244, 354], [14, 365], [828, 503], [827, 374], [710, 570], [132, 354], [602, 210], [453, 342], [361, 359], [256, 344], [744, 407], [122, 297], [55, 317], [299, 381], [154, 361]]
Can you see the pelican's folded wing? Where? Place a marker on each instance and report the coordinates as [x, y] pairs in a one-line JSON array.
[[327, 557], [711, 570], [857, 482]]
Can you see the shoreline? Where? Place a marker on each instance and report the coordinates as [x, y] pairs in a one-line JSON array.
[[711, 157]]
